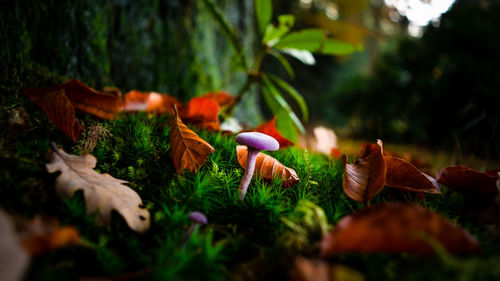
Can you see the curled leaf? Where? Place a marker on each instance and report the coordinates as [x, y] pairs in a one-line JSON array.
[[467, 181], [268, 167], [395, 228], [405, 176], [189, 151], [83, 98], [103, 193], [149, 101], [269, 128], [366, 177], [202, 112]]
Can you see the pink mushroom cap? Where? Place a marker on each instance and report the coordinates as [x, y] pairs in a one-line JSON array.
[[258, 141]]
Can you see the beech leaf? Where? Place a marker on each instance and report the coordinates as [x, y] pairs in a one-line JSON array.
[[405, 176], [366, 177], [202, 112], [269, 128], [396, 228], [83, 98], [467, 181], [103, 193], [189, 151], [268, 167], [149, 102]]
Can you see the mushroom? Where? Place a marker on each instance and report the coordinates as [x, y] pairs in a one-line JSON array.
[[197, 218], [254, 142]]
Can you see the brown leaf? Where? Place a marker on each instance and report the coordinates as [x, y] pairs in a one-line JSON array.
[[189, 151], [405, 176], [60, 110], [149, 101], [269, 128], [13, 258], [222, 98], [83, 98], [102, 192], [202, 112], [366, 177], [40, 235], [467, 181], [395, 228], [268, 167], [319, 270]]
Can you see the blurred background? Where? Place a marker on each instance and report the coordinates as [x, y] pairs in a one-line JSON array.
[[427, 73]]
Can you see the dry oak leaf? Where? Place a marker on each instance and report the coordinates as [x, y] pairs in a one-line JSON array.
[[403, 175], [320, 270], [83, 98], [103, 193], [467, 181], [366, 177], [189, 151], [269, 128], [149, 102], [223, 99], [268, 167], [60, 110], [396, 228], [202, 112]]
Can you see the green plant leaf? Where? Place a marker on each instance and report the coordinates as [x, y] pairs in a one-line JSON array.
[[226, 30], [274, 33], [336, 47], [284, 62], [288, 122], [264, 12], [297, 97], [308, 40]]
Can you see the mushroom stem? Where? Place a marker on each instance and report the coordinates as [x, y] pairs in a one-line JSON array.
[[188, 234], [247, 177]]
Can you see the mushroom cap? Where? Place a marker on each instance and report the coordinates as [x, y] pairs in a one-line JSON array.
[[198, 217], [258, 141]]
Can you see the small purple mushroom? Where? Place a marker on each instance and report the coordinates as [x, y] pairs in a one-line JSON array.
[[197, 218], [254, 142]]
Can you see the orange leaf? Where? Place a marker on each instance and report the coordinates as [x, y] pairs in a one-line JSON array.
[[467, 181], [269, 128], [222, 98], [189, 151], [395, 228], [335, 153], [268, 167], [83, 98], [366, 177], [202, 112], [405, 176], [149, 101], [60, 110]]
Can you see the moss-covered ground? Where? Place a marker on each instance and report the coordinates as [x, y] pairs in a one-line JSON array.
[[244, 240]]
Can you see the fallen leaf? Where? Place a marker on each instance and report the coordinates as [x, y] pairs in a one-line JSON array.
[[324, 141], [60, 110], [396, 228], [202, 112], [223, 99], [83, 98], [366, 177], [102, 192], [467, 181], [13, 258], [403, 175], [149, 102], [189, 151], [269, 128], [335, 153], [40, 235], [268, 167]]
